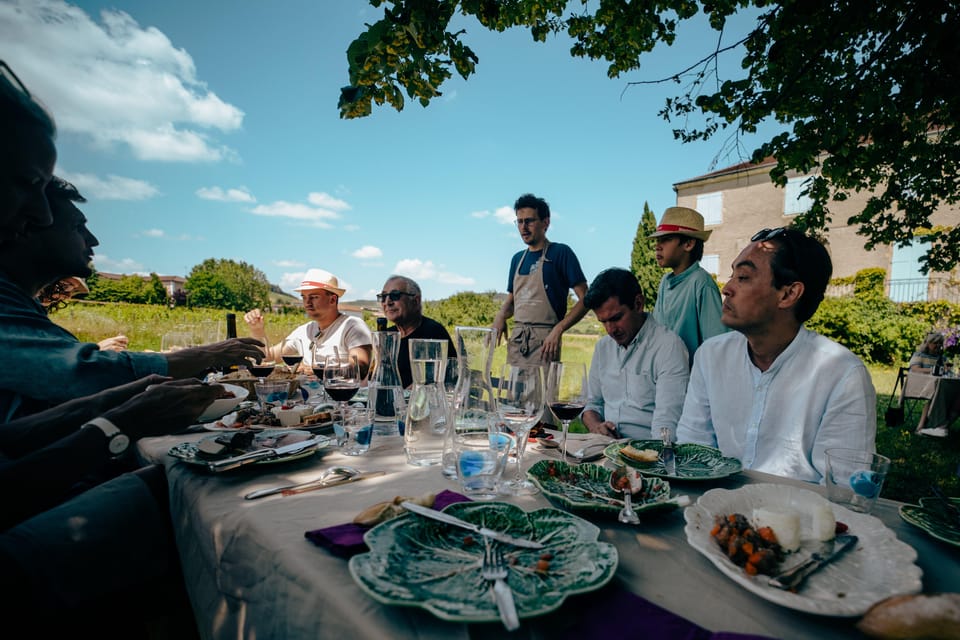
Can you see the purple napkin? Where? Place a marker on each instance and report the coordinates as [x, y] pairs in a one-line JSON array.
[[605, 619], [346, 540]]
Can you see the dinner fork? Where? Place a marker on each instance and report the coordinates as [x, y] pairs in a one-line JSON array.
[[494, 569]]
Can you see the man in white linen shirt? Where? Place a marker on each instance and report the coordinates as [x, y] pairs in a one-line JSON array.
[[639, 372], [772, 393], [332, 331]]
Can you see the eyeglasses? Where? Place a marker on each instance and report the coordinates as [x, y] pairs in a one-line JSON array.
[[769, 234], [12, 78], [526, 222], [394, 295]]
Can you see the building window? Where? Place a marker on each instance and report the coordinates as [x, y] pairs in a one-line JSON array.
[[711, 263], [907, 282], [710, 206], [794, 202]]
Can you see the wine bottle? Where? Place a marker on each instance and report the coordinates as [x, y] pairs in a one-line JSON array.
[[381, 324], [231, 325]]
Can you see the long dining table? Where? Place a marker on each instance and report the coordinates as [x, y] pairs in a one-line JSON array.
[[252, 574]]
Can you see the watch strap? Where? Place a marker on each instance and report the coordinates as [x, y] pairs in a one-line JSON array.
[[117, 441]]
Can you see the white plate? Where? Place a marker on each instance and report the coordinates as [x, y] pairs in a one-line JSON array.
[[221, 406], [878, 567]]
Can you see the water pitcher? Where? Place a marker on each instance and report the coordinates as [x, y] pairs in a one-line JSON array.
[[426, 424], [385, 388], [475, 407]]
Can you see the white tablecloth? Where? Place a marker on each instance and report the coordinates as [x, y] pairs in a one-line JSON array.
[[251, 573]]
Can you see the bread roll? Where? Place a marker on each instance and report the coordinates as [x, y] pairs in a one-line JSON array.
[[936, 617], [640, 455]]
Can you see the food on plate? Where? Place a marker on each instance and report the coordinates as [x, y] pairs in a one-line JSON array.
[[383, 511], [785, 525], [318, 418], [755, 549], [935, 616], [640, 455], [226, 393], [211, 448], [824, 522], [247, 417], [239, 441]]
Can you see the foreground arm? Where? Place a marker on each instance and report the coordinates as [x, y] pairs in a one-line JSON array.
[[500, 320]]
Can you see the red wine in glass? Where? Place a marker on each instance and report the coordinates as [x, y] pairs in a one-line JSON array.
[[293, 361], [340, 392], [261, 370], [566, 411]]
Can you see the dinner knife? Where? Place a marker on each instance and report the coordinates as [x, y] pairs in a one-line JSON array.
[[262, 454], [457, 522], [791, 579]]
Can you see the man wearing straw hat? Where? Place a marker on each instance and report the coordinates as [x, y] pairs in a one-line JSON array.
[[688, 300], [332, 331]]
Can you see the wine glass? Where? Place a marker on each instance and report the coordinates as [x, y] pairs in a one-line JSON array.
[[341, 381], [316, 365], [291, 353], [520, 399], [261, 370], [566, 393]]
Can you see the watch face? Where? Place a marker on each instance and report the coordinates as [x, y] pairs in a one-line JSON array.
[[118, 444]]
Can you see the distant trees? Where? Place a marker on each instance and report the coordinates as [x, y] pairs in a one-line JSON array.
[[129, 288], [643, 260], [464, 309], [227, 284]]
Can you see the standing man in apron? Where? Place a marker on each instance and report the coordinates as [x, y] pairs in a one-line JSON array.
[[540, 277]]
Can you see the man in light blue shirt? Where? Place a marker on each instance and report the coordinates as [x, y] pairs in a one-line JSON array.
[[772, 393], [688, 300], [638, 375]]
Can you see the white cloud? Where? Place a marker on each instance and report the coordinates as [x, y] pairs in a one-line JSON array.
[[154, 233], [288, 264], [420, 270], [125, 265], [110, 188], [367, 252], [480, 214], [327, 201], [297, 211], [240, 194], [505, 215], [115, 81]]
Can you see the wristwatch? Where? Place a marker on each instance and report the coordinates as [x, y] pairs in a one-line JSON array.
[[117, 441]]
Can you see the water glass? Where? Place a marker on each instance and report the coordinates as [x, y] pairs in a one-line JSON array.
[[272, 393], [481, 457], [356, 432], [425, 427], [854, 478]]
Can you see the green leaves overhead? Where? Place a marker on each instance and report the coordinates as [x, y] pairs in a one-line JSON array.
[[867, 93]]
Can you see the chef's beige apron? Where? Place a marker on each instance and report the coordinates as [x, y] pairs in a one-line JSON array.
[[533, 314]]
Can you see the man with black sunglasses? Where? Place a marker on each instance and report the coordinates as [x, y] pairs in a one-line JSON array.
[[771, 392], [402, 304]]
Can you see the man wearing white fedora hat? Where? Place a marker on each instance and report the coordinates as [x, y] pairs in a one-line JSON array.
[[329, 330], [688, 300]]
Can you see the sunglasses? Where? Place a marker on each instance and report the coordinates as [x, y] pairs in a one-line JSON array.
[[769, 234], [394, 295]]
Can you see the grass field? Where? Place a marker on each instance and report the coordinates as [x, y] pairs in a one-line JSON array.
[[918, 462]]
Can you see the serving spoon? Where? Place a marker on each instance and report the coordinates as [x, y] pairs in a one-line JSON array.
[[338, 472]]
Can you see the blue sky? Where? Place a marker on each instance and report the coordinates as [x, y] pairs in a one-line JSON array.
[[210, 130]]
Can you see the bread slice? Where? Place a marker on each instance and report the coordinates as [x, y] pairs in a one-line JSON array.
[[640, 455]]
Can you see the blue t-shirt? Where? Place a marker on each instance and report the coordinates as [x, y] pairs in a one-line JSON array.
[[561, 271]]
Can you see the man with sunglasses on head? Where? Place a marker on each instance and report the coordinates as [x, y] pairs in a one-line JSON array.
[[772, 393], [402, 305], [540, 277], [332, 331]]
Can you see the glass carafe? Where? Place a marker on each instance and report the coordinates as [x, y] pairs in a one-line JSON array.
[[475, 407], [425, 428], [385, 388]]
